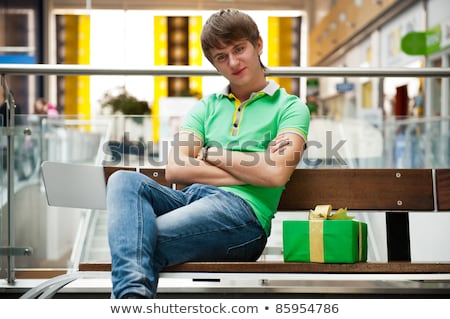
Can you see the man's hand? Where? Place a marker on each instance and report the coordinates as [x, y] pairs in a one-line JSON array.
[[279, 144], [270, 168], [186, 164]]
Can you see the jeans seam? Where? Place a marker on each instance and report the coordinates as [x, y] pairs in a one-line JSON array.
[[162, 190], [256, 239], [141, 229], [213, 231], [245, 207]]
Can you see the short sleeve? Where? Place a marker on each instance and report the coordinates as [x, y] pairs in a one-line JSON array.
[[194, 121], [295, 118]]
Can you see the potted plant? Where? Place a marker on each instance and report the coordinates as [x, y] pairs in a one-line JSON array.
[[126, 104], [132, 109]]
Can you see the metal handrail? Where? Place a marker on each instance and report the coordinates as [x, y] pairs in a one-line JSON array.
[[185, 71]]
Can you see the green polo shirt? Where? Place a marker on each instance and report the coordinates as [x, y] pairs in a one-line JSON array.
[[221, 120]]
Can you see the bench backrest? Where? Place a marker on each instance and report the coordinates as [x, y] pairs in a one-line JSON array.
[[358, 189]]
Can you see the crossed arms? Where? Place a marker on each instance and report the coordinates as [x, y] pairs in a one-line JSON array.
[[271, 168]]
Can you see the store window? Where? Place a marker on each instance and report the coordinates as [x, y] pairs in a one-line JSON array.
[[20, 43]]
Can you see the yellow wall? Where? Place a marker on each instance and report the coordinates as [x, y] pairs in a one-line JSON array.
[[195, 53], [160, 59], [77, 51], [280, 46], [273, 45]]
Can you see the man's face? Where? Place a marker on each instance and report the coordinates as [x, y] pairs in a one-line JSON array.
[[239, 61]]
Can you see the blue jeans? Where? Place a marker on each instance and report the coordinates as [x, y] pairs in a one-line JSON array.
[[151, 226]]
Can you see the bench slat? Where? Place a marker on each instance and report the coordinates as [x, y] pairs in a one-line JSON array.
[[109, 170], [443, 189], [281, 267], [363, 189], [158, 174]]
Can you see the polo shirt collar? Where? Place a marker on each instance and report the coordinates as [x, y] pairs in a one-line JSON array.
[[270, 89]]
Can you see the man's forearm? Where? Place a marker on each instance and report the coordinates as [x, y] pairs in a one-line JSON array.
[[188, 170], [255, 168], [271, 168]]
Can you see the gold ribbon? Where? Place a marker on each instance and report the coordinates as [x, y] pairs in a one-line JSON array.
[[316, 247], [360, 242]]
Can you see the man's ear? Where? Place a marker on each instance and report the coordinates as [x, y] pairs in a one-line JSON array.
[[259, 45]]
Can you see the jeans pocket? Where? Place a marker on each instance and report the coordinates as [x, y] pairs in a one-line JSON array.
[[250, 250]]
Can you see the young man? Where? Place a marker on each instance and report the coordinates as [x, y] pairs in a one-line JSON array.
[[236, 149]]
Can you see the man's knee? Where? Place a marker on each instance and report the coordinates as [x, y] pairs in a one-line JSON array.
[[122, 179]]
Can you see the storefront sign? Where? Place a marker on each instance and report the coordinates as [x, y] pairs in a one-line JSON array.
[[345, 87], [17, 59], [425, 43]]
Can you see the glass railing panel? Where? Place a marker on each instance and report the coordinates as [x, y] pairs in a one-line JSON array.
[[343, 143], [417, 143], [349, 139], [52, 231], [49, 231], [130, 142], [25, 220], [74, 139], [396, 143]]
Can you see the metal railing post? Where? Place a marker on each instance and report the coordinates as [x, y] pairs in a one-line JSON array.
[[10, 251]]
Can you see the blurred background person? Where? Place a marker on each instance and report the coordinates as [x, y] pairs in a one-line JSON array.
[[43, 107]]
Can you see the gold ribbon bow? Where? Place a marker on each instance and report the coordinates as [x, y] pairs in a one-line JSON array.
[[316, 218]]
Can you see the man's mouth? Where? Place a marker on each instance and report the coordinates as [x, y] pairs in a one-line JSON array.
[[238, 72]]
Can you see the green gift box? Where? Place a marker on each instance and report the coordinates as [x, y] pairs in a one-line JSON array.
[[324, 241]]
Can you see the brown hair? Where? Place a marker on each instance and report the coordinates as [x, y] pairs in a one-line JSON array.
[[225, 27]]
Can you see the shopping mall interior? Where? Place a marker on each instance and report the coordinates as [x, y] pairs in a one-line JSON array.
[[108, 82]]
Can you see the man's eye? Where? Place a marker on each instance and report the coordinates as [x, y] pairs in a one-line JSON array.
[[220, 58]]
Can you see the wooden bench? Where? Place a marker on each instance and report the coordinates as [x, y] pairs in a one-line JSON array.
[[395, 192]]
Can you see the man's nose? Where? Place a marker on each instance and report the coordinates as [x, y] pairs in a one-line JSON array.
[[232, 60]]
